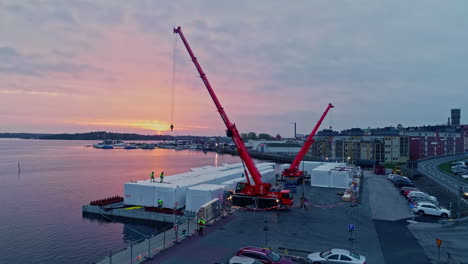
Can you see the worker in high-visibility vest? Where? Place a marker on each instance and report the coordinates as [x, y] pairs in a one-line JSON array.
[[201, 225], [152, 176], [160, 203], [161, 176]]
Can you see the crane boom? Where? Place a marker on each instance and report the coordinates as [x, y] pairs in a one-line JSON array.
[[231, 128], [310, 140]]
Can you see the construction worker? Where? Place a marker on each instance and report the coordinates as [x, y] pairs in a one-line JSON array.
[[152, 176], [161, 176], [160, 203], [201, 225]]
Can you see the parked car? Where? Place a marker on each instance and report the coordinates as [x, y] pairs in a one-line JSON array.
[[416, 200], [391, 176], [421, 194], [464, 176], [430, 209], [406, 188], [336, 256], [399, 177], [243, 260], [400, 182], [405, 193], [463, 191], [263, 255]]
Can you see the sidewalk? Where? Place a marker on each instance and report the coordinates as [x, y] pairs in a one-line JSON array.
[[195, 249]]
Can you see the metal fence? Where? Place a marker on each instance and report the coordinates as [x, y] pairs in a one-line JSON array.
[[147, 247]]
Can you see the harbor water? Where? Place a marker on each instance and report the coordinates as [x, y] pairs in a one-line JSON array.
[[43, 185]]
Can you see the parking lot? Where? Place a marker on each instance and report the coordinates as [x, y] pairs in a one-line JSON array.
[[380, 229]]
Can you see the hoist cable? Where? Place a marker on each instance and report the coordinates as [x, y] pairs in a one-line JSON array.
[[173, 82]]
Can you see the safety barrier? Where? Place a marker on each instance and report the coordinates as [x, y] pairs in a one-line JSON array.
[[106, 201]]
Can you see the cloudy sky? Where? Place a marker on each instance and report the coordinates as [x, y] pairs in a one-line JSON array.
[[79, 66]]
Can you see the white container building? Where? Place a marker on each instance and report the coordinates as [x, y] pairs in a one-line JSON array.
[[334, 175], [173, 190]]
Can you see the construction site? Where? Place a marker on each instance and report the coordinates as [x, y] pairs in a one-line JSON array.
[[258, 211]]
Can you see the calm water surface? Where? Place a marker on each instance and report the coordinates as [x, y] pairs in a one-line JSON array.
[[41, 219]]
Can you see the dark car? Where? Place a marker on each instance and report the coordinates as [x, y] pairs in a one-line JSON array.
[[463, 191], [400, 182], [263, 255]]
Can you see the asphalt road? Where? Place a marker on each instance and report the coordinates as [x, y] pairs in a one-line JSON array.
[[450, 182]]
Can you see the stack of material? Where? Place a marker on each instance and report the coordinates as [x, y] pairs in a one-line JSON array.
[[173, 190], [201, 194], [210, 211]]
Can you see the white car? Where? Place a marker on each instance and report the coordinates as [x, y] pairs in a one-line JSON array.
[[336, 256], [243, 260], [421, 194], [465, 177], [422, 208]]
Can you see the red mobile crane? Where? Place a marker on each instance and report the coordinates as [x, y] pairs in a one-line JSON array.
[[258, 194], [293, 175]]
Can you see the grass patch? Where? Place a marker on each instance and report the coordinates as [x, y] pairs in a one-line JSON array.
[[445, 167]]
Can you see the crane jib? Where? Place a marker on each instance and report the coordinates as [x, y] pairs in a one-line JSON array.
[[254, 173]]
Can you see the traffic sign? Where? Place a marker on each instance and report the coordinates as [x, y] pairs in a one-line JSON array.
[[439, 242], [351, 227], [411, 205]]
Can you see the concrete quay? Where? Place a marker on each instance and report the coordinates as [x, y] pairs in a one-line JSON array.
[[132, 213]]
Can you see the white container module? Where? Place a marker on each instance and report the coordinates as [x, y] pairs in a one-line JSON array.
[[320, 178], [145, 193], [201, 194], [334, 175], [138, 194], [282, 167], [308, 166], [340, 178], [268, 175], [231, 184]]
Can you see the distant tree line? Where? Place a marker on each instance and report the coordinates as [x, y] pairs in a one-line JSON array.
[[265, 136], [99, 135]]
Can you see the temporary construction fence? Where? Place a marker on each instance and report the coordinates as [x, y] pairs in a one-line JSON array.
[[147, 247]]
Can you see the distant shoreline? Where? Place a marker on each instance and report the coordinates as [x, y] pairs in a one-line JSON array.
[[101, 135]]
